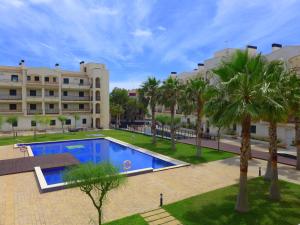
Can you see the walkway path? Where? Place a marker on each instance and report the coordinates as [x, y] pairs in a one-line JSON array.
[[160, 217], [236, 149]]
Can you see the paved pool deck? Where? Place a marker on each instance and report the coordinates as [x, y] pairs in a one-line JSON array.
[[22, 204]]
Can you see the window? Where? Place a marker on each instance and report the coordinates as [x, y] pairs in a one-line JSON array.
[[68, 122], [47, 79], [83, 121], [81, 81], [12, 106], [28, 78], [14, 78], [51, 106], [52, 122], [65, 93], [54, 79], [65, 106], [33, 123], [84, 69], [12, 92], [32, 92], [51, 93], [81, 106], [15, 124], [32, 106], [81, 94], [253, 129], [66, 80], [36, 78]]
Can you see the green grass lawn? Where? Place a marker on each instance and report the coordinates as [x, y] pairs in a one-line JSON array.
[[217, 207], [131, 220], [183, 152]]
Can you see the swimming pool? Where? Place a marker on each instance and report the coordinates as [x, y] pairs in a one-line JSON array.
[[100, 150]]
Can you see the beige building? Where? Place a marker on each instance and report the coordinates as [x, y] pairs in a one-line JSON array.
[[290, 55], [29, 91]]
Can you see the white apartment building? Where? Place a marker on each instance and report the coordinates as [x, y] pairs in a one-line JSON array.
[[30, 91], [290, 55]]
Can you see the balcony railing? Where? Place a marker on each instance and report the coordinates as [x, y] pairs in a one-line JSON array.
[[51, 111], [4, 111], [34, 111], [51, 96], [85, 84], [34, 96], [76, 98], [9, 81], [10, 97], [34, 82], [73, 109], [51, 83]]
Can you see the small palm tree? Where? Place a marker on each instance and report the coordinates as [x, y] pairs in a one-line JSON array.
[[239, 102], [150, 90], [170, 93], [62, 120], [44, 121], [13, 121], [162, 120], [195, 94], [275, 110], [76, 118]]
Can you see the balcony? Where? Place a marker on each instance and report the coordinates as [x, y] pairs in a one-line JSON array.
[[75, 98], [52, 111], [10, 83], [51, 98], [51, 83], [10, 97], [76, 85], [74, 109], [34, 97], [34, 111], [34, 82], [8, 111]]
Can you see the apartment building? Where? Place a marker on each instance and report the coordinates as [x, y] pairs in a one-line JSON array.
[[290, 55], [30, 91]]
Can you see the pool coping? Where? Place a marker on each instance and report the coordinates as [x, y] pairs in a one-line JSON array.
[[44, 187]]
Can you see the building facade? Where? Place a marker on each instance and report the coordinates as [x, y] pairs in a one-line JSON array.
[[29, 91], [290, 55]]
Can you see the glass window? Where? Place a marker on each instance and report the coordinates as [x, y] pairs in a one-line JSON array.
[[51, 93], [28, 78], [12, 106], [65, 93], [66, 80], [36, 78], [65, 106], [54, 79], [253, 129], [47, 79], [81, 106], [52, 122], [81, 81], [32, 106], [33, 123], [51, 106], [68, 122], [83, 121], [32, 92], [14, 78], [12, 92], [15, 124], [81, 94]]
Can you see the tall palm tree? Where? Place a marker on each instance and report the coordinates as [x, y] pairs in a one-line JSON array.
[[195, 95], [239, 102], [150, 90], [294, 110], [170, 93], [275, 109]]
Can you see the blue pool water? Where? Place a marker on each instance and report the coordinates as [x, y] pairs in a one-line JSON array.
[[95, 151]]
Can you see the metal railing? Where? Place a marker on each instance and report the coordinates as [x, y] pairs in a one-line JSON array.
[[51, 83], [77, 84], [11, 110], [10, 97], [78, 98], [76, 110], [10, 81], [51, 96], [34, 96], [34, 111], [51, 111]]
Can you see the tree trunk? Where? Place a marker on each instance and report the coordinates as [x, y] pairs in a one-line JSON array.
[[242, 198], [172, 128], [100, 216], [268, 174], [198, 130], [274, 188], [297, 140], [153, 126], [219, 138], [162, 131]]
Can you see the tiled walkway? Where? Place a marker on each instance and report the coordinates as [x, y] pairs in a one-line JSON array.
[[160, 217], [22, 204]]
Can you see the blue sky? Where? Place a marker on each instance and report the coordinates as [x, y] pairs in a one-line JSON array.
[[138, 38]]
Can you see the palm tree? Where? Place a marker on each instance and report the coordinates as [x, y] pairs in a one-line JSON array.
[[195, 95], [62, 120], [13, 121], [150, 90], [162, 120], [116, 111], [170, 93], [294, 110], [76, 118], [275, 110], [239, 102]]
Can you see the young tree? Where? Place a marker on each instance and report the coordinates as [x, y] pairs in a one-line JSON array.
[[170, 92], [150, 90], [95, 180], [240, 87], [62, 120], [117, 111], [195, 94], [44, 121], [163, 120], [13, 121], [76, 118]]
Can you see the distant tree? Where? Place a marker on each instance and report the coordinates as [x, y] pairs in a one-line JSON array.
[[62, 120], [13, 121], [117, 111], [95, 180], [1, 121], [163, 120], [119, 96], [76, 118]]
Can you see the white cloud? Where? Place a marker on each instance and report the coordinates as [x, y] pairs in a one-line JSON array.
[[142, 33], [161, 28]]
